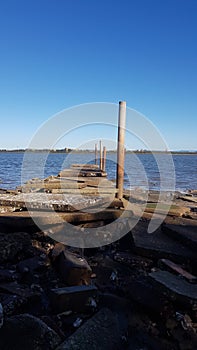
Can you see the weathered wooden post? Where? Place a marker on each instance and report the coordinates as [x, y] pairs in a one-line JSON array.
[[104, 158], [121, 149], [96, 153], [101, 163]]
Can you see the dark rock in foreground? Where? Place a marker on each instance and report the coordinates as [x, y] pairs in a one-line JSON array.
[[14, 246], [28, 333], [74, 298], [101, 332], [176, 287]]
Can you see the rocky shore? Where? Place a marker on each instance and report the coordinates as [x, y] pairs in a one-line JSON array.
[[139, 292]]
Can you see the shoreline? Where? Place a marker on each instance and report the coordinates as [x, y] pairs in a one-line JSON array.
[[130, 289], [63, 151]]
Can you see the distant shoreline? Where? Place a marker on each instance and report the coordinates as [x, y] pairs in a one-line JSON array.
[[66, 151]]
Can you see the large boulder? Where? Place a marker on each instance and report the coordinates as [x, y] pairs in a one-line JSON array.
[[73, 269], [28, 333]]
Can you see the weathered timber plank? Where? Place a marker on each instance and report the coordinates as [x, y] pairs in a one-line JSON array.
[[10, 221]]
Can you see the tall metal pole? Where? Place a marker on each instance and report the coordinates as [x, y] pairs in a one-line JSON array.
[[101, 163], [121, 149], [104, 158], [96, 153]]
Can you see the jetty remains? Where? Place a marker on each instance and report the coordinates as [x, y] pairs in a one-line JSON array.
[[138, 292]]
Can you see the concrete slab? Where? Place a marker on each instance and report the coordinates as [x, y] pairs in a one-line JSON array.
[[101, 332], [186, 234], [157, 245], [73, 298], [175, 286]]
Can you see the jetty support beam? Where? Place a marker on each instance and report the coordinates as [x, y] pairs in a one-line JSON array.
[[121, 149]]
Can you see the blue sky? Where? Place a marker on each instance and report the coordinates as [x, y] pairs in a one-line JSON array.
[[55, 54]]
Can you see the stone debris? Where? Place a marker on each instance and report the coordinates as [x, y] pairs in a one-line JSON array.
[[101, 332], [77, 298], [14, 246], [186, 234], [27, 332], [168, 264], [73, 268], [158, 245], [1, 315], [136, 293], [32, 265], [54, 284], [176, 286]]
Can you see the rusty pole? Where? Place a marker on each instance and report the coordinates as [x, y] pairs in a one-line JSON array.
[[96, 153], [101, 163], [104, 158], [121, 149]]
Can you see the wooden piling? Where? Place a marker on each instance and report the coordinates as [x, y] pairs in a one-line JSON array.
[[121, 149], [101, 160], [96, 154], [104, 158]]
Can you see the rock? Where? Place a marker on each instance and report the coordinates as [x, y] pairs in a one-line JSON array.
[[101, 332], [8, 275], [120, 306], [186, 234], [157, 245], [11, 303], [142, 340], [13, 246], [175, 287], [1, 315], [74, 298], [133, 260], [144, 293], [166, 264], [19, 289], [110, 275], [37, 263], [72, 268], [28, 333], [54, 323], [186, 340]]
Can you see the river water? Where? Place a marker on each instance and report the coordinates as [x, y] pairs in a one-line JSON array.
[[141, 170]]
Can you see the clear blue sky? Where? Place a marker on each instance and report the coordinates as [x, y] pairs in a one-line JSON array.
[[59, 53]]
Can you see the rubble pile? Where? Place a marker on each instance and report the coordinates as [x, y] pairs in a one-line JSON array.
[[137, 293]]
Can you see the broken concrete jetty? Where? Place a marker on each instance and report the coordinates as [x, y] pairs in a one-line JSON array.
[[139, 291]]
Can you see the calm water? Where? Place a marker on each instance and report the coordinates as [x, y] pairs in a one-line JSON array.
[[141, 170]]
